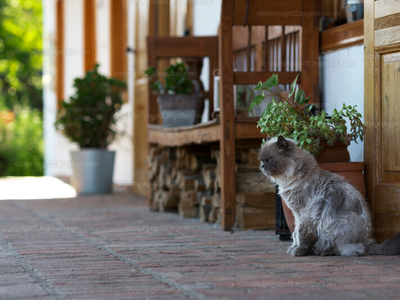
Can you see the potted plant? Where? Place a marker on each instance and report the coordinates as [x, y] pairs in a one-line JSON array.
[[89, 120], [179, 99], [326, 137]]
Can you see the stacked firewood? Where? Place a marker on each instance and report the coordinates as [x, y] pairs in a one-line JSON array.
[[255, 195], [188, 180], [183, 179]]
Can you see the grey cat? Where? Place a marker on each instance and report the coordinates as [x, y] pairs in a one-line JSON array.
[[331, 216]]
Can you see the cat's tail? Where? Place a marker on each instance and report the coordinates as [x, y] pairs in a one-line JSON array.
[[389, 247]]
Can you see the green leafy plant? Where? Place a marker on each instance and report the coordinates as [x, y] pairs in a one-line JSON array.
[[21, 30], [21, 144], [296, 121], [176, 80], [89, 118]]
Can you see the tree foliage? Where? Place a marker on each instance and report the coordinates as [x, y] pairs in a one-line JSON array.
[[20, 53]]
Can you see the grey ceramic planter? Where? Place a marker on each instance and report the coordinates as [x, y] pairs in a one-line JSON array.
[[92, 171]]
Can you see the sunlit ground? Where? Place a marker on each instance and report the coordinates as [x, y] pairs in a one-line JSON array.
[[25, 188]]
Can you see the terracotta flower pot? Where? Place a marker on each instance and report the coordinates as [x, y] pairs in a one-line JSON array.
[[333, 154], [351, 171]]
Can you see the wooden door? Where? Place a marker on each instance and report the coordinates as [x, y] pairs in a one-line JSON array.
[[382, 114]]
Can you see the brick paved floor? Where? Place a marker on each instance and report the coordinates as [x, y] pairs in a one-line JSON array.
[[113, 247]]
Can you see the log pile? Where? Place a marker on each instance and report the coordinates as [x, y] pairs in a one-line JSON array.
[[255, 196], [188, 180], [182, 179]]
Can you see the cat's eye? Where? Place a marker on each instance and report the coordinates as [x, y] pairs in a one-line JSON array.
[[267, 160]]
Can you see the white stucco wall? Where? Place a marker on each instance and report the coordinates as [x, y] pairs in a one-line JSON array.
[[49, 95], [57, 147], [206, 18], [103, 36], [342, 81]]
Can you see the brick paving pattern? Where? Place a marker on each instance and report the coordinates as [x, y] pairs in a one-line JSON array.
[[113, 247]]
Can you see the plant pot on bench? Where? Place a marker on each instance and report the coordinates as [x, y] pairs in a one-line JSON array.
[[181, 109]]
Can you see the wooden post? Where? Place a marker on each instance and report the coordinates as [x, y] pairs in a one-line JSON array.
[[227, 117], [89, 9], [266, 57], [283, 50], [60, 49], [118, 43], [248, 49], [310, 51]]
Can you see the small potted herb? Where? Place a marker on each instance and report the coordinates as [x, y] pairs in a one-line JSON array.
[[180, 103], [89, 119]]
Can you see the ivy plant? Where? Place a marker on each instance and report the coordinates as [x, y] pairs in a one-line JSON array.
[[298, 122], [176, 80]]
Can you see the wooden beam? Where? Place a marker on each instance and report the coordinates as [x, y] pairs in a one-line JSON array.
[[369, 109], [310, 50], [89, 8], [189, 18], [255, 77], [169, 47], [60, 51], [343, 36], [266, 51], [272, 13], [283, 50], [227, 115], [140, 97]]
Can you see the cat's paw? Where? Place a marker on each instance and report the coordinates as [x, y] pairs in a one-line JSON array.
[[290, 249], [300, 251]]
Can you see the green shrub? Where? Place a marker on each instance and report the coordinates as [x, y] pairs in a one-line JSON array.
[[21, 145], [89, 118]]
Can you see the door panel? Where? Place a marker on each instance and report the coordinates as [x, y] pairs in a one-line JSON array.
[[382, 114], [390, 117]]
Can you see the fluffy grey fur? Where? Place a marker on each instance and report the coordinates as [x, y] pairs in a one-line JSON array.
[[331, 216]]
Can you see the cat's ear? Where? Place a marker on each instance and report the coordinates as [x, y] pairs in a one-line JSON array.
[[282, 143]]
